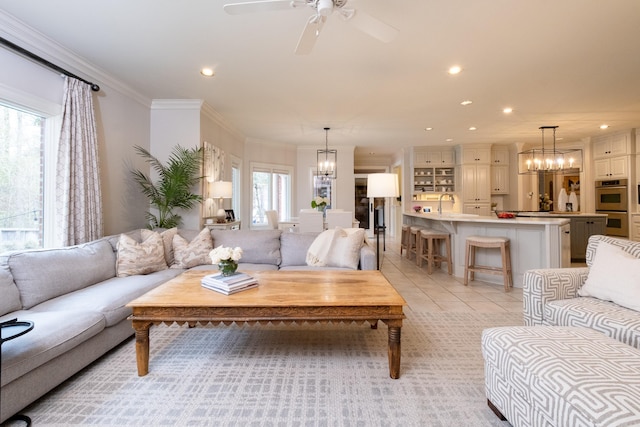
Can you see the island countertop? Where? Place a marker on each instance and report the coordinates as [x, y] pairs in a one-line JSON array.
[[560, 214], [536, 242], [542, 219]]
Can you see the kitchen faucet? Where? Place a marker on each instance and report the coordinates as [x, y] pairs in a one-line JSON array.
[[453, 201]]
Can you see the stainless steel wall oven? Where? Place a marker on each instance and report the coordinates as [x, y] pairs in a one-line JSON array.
[[612, 199]]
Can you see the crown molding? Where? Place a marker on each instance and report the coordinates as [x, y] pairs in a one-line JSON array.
[[176, 104], [273, 144], [36, 42], [217, 118]]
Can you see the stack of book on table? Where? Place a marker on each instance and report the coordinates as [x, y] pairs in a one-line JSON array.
[[229, 284]]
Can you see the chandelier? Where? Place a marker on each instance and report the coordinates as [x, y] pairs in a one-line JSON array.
[[327, 160], [550, 159]]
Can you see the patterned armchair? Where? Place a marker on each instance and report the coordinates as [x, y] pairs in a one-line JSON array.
[[551, 298]]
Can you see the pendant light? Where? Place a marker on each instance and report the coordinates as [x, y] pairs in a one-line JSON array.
[[327, 160], [552, 160]]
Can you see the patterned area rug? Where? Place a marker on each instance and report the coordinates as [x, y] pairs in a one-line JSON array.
[[287, 375]]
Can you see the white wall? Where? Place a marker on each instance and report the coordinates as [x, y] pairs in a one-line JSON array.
[[176, 122], [122, 122]]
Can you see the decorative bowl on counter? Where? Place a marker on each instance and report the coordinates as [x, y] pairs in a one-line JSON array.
[[505, 215]]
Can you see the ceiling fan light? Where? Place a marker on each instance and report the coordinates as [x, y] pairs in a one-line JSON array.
[[325, 7]]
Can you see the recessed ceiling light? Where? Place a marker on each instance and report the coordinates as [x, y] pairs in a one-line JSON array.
[[466, 102], [507, 110], [371, 153], [473, 128], [604, 126], [455, 69], [207, 72], [448, 139], [428, 129]]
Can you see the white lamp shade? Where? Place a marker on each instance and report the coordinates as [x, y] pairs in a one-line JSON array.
[[221, 189], [382, 185]]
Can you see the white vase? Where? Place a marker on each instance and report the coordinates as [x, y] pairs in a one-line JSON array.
[[573, 199], [562, 200]]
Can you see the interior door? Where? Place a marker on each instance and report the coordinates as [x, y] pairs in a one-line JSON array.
[[364, 205]]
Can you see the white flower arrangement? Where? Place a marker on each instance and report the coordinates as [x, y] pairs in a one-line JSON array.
[[319, 202], [225, 254]]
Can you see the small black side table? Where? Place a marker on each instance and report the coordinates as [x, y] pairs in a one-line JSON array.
[[9, 330]]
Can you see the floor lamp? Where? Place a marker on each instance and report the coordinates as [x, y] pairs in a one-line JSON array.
[[381, 185]]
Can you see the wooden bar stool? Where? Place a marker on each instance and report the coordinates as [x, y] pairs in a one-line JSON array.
[[412, 245], [470, 266], [429, 249], [404, 238]]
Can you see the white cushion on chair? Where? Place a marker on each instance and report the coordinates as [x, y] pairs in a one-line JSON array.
[[613, 276]]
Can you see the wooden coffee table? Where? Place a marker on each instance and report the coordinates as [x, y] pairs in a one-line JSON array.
[[288, 296]]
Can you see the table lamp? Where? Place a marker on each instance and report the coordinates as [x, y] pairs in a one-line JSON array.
[[221, 190]]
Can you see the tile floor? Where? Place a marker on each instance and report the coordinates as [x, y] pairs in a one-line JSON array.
[[441, 292]]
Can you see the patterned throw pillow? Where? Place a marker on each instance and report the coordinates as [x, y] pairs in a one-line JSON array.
[[189, 254], [167, 242], [140, 258]]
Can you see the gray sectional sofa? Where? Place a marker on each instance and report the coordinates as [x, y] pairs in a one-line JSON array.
[[77, 302]]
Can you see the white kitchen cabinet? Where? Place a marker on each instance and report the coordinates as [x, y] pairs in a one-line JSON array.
[[500, 156], [476, 194], [476, 184], [499, 179], [434, 158], [610, 168], [611, 145], [476, 155], [483, 209]]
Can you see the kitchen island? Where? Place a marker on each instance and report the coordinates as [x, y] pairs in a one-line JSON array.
[[540, 242], [583, 226]]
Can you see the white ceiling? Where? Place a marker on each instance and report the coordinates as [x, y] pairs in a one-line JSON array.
[[571, 63]]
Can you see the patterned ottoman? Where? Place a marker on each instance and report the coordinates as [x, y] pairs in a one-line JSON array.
[[560, 376]]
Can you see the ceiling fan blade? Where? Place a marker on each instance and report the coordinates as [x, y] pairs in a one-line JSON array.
[[369, 25], [310, 34], [257, 6]]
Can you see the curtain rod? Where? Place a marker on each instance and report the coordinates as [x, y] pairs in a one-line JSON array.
[[42, 61]]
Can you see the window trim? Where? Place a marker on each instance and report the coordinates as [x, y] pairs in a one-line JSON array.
[[236, 179], [52, 112]]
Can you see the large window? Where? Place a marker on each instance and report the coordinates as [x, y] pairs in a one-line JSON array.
[[22, 137], [271, 190]]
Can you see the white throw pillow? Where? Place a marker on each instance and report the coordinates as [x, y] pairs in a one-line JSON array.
[[345, 248], [318, 252], [337, 247], [140, 258], [613, 276], [189, 254]]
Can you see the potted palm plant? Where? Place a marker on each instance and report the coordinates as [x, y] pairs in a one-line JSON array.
[[173, 190]]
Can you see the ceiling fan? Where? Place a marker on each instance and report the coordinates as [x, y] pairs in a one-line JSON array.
[[323, 8]]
